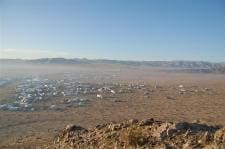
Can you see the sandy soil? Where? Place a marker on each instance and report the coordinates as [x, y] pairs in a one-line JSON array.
[[164, 103]]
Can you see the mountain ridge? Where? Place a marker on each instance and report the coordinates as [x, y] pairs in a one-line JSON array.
[[193, 66]]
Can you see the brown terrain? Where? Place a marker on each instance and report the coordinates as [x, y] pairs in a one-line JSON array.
[[147, 133], [166, 96]]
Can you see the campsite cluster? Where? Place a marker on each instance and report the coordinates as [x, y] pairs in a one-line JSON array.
[[30, 91]]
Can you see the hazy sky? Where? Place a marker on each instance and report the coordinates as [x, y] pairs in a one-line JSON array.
[[113, 29]]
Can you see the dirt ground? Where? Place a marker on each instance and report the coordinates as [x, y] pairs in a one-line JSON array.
[[166, 103]]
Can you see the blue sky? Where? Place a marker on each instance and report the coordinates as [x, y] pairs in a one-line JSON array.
[[113, 29]]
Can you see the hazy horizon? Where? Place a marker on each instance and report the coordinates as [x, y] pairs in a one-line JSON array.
[[96, 59]]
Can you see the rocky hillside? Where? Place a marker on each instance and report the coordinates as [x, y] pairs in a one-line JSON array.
[[144, 134]]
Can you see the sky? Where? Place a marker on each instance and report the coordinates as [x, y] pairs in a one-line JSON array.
[[113, 29]]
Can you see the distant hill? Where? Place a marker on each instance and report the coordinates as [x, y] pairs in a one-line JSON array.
[[188, 66]]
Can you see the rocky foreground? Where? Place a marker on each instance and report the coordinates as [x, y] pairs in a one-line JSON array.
[[144, 134]]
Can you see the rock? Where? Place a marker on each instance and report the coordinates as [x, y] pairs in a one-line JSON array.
[[182, 126], [100, 126], [171, 131], [114, 127], [146, 122], [133, 121], [74, 128]]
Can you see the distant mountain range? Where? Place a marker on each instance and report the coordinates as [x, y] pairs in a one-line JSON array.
[[190, 66]]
